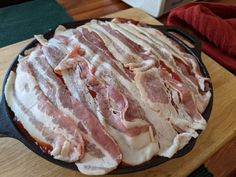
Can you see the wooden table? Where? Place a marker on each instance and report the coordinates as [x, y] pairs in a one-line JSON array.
[[18, 161]]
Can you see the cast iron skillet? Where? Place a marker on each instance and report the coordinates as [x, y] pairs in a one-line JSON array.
[[8, 127]]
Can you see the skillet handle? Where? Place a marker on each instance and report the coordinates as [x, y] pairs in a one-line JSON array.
[[7, 129], [195, 50]]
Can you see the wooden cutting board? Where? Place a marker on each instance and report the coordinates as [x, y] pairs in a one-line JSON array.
[[18, 161]]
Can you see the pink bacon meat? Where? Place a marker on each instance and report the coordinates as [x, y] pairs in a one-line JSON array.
[[107, 92], [41, 118], [99, 146]]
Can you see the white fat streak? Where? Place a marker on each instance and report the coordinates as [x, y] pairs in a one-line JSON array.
[[44, 88], [137, 64], [91, 165], [167, 47], [159, 38], [106, 36], [80, 90], [132, 155], [27, 52], [24, 79], [97, 62], [180, 119], [21, 116], [59, 44], [60, 29], [195, 66], [203, 99], [66, 75], [128, 31], [146, 34], [131, 32], [166, 135], [103, 165], [142, 66], [184, 124], [82, 46], [196, 124], [105, 67], [179, 142], [59, 150], [167, 141], [41, 39], [74, 90], [67, 33], [119, 64], [132, 37], [127, 144], [153, 116], [131, 29]]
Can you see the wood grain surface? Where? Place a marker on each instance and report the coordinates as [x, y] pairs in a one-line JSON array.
[[223, 162], [18, 161], [82, 9]]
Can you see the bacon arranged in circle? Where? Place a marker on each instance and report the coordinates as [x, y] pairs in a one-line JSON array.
[[109, 92]]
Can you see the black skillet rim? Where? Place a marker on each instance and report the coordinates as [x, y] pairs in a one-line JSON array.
[[15, 133]]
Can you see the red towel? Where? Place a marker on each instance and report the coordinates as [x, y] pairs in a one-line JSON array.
[[215, 24]]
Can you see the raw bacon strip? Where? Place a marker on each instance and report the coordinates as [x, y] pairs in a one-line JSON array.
[[124, 77], [165, 135], [149, 83], [134, 56], [186, 100], [133, 47], [133, 135], [109, 95], [85, 26], [69, 62], [52, 51], [133, 34], [174, 75], [160, 39], [95, 44], [123, 54], [203, 96], [101, 152], [40, 118], [142, 38], [119, 53]]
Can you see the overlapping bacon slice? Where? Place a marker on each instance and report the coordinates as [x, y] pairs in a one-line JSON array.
[[108, 92]]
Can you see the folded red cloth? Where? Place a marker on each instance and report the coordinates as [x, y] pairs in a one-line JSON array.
[[215, 24]]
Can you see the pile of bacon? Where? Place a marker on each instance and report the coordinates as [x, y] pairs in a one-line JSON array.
[[109, 92]]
